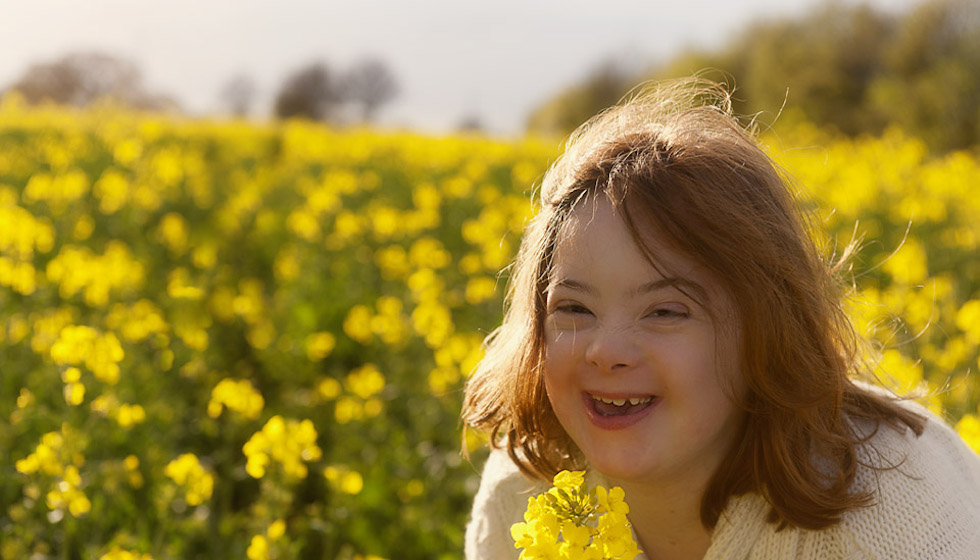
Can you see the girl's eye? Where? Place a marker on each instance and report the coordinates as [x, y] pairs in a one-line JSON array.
[[669, 313], [572, 309], [569, 315]]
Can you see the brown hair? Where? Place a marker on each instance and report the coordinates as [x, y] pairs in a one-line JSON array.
[[677, 162]]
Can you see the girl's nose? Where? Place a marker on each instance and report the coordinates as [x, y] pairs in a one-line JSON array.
[[611, 350]]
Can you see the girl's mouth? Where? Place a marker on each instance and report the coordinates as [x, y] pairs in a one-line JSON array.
[[618, 411], [605, 406]]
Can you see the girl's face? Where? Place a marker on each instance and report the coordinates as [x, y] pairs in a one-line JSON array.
[[637, 370]]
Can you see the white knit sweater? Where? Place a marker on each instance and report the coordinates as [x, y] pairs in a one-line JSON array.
[[926, 509]]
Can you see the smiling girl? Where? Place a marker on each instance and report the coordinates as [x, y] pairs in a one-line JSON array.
[[672, 328]]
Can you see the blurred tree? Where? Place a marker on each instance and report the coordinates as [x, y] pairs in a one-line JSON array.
[[850, 68], [310, 92], [822, 65], [605, 86], [932, 87], [371, 84], [82, 78], [470, 124], [238, 95]]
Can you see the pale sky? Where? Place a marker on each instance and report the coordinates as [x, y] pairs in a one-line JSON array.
[[452, 58]]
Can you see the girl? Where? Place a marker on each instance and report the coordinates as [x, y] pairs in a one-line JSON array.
[[672, 329]]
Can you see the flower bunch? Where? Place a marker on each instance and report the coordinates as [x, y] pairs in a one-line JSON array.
[[238, 395], [287, 442], [569, 521], [187, 471]]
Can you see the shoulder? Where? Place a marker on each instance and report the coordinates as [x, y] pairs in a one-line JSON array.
[[499, 503], [926, 493]]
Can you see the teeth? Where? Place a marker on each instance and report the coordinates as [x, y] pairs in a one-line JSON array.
[[620, 402]]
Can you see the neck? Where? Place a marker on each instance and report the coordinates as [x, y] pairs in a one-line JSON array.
[[667, 520]]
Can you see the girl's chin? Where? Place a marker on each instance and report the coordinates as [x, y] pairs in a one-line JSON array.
[[620, 465]]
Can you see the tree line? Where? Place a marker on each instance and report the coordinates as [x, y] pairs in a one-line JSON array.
[[315, 91], [854, 69]]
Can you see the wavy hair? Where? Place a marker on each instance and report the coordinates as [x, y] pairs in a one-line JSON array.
[[678, 163]]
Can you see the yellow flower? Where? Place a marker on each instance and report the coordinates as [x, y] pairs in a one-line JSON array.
[[569, 521], [132, 465], [238, 395], [112, 189], [25, 398], [969, 429], [74, 393], [100, 353], [77, 269], [289, 443], [968, 320], [66, 494], [138, 321], [357, 325], [329, 388], [908, 264], [128, 151], [128, 415], [433, 321], [186, 471], [365, 381], [57, 190], [304, 223], [276, 530], [120, 554], [83, 228], [261, 335], [344, 479], [21, 233], [54, 454], [173, 232], [180, 286], [319, 345], [347, 226], [904, 374], [384, 221], [393, 262], [347, 409], [250, 301], [388, 323], [612, 500], [569, 480], [428, 252], [373, 407], [205, 255], [258, 548], [351, 482], [480, 289]]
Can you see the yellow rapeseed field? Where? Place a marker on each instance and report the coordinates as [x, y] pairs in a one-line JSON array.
[[234, 340]]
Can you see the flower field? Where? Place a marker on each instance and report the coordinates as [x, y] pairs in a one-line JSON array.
[[229, 340]]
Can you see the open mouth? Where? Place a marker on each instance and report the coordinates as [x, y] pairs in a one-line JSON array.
[[604, 406]]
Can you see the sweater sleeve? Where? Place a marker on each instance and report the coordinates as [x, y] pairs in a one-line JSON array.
[[499, 503]]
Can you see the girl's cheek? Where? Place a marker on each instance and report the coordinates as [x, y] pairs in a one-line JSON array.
[[562, 344], [558, 361]]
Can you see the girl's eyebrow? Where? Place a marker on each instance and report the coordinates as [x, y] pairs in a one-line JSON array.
[[681, 284], [574, 285]]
